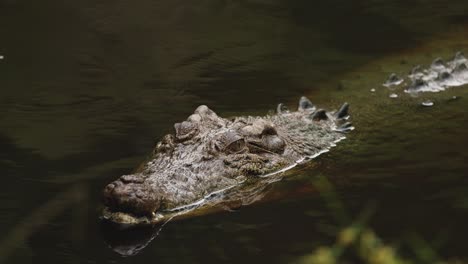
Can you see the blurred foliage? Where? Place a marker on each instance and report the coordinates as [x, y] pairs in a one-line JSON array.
[[358, 242], [366, 247], [364, 243]]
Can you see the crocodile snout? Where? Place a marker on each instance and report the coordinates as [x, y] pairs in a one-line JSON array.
[[130, 194]]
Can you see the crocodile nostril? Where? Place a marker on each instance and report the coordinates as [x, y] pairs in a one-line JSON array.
[[133, 197], [107, 194]]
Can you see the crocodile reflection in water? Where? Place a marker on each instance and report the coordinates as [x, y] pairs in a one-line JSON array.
[[209, 155], [130, 241]]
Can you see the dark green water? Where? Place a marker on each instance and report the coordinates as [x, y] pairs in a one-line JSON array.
[[87, 87]]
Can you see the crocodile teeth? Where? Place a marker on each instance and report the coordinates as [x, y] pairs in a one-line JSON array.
[[305, 103], [343, 112]]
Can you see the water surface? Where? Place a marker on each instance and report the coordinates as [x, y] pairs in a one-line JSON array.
[[88, 87]]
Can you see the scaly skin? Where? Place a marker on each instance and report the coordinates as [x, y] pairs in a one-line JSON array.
[[208, 154], [437, 77]]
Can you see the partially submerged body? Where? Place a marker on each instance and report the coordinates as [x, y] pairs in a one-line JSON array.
[[209, 154], [439, 76]]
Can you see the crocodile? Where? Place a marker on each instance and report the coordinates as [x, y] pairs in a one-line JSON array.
[[208, 154], [439, 76]]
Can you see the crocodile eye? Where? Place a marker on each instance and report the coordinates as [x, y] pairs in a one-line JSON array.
[[236, 146]]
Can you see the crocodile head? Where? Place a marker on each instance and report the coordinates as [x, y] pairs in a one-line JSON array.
[[208, 154]]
